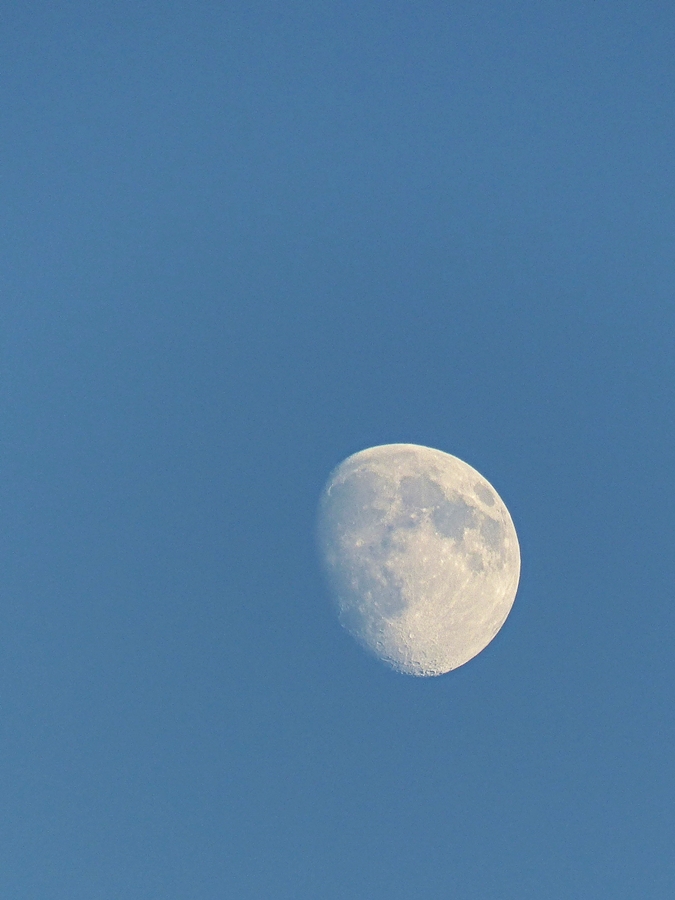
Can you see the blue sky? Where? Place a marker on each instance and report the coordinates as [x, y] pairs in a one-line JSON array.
[[240, 242]]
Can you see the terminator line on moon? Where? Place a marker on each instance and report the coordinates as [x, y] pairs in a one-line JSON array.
[[421, 555]]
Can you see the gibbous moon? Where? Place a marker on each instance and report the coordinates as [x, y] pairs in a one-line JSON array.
[[421, 555]]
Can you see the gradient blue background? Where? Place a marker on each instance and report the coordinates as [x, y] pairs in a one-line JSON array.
[[241, 241]]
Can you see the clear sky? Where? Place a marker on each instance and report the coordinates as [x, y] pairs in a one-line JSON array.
[[241, 241]]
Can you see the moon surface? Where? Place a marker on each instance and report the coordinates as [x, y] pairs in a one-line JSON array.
[[421, 555]]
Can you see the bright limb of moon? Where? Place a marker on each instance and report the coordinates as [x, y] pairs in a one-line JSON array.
[[421, 555]]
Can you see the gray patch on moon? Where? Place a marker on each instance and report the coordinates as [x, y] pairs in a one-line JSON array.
[[421, 492], [453, 517], [476, 562], [484, 494], [492, 533]]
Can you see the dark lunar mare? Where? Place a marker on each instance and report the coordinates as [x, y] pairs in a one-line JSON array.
[[421, 496]]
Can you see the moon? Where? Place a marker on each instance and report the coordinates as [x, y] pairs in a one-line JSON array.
[[421, 556]]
